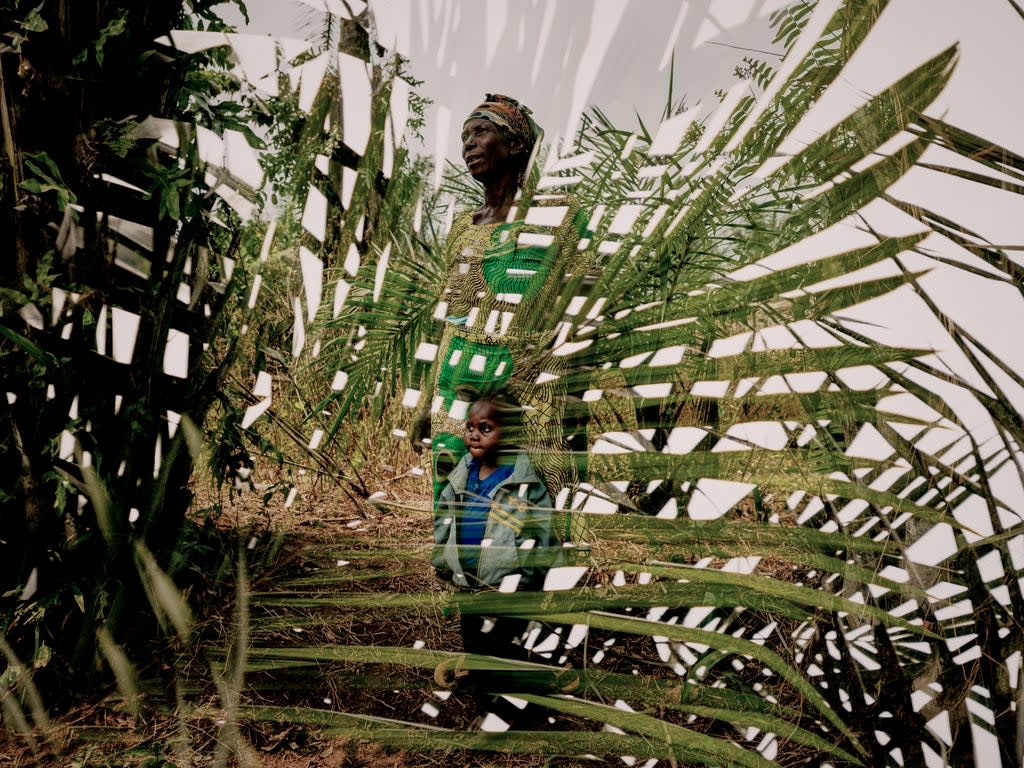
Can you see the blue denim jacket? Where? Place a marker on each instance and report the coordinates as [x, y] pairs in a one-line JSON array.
[[520, 512]]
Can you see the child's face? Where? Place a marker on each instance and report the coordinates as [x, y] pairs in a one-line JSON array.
[[483, 432]]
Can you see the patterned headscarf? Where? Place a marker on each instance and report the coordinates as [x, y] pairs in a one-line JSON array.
[[505, 111]]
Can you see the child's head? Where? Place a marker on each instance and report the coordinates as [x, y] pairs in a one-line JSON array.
[[483, 429], [491, 423]]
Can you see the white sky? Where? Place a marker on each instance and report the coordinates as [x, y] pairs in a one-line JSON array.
[[558, 56]]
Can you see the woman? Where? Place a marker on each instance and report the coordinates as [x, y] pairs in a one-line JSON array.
[[504, 276], [504, 280]]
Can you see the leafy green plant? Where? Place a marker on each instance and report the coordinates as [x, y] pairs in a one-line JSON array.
[[46, 178], [841, 591], [121, 314], [761, 588], [113, 28]]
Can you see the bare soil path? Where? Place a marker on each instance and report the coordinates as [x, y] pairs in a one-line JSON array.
[[308, 556]]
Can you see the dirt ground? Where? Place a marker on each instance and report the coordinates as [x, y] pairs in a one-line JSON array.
[[387, 545], [323, 545]]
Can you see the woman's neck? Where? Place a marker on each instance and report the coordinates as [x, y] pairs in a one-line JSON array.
[[498, 198]]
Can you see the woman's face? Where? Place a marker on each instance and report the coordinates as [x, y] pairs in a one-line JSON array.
[[486, 149]]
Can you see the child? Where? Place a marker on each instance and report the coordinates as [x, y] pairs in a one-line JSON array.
[[492, 524], [493, 530]]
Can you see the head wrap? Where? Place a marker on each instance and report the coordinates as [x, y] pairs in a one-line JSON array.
[[505, 111]]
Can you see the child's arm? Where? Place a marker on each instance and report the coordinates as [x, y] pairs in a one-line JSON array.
[[444, 529]]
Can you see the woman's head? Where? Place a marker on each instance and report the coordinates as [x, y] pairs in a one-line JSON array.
[[498, 137]]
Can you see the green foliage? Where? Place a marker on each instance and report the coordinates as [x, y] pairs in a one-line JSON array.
[[118, 136], [113, 28], [46, 177], [34, 289], [32, 21], [838, 619], [99, 545], [801, 620], [206, 10], [170, 186]]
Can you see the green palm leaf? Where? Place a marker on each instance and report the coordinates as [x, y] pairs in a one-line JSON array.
[[704, 369]]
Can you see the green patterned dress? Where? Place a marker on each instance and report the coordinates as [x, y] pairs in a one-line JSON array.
[[500, 308]]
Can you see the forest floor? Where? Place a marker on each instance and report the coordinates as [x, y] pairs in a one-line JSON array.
[[324, 543]]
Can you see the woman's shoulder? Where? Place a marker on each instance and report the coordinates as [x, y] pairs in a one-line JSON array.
[[523, 470], [463, 218], [460, 223], [557, 200], [566, 207], [463, 228]]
